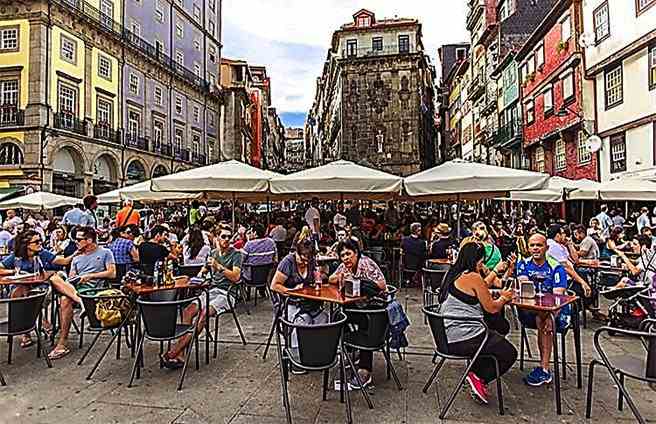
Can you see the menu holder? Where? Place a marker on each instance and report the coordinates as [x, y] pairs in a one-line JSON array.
[[351, 287], [526, 289]]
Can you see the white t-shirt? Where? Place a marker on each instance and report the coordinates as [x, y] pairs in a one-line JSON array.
[[339, 220], [557, 251], [310, 215]]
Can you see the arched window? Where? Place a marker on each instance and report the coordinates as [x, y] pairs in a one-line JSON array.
[[10, 154], [135, 172]]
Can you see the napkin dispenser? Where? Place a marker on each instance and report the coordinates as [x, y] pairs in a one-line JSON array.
[[351, 287], [526, 289]]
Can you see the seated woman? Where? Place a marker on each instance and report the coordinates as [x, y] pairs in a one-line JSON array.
[[465, 294], [195, 247], [294, 271], [643, 272], [443, 245], [361, 267], [614, 243]]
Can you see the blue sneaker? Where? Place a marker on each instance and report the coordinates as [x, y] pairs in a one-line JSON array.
[[538, 377]]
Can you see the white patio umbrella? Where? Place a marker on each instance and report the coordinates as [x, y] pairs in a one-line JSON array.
[[618, 190], [558, 189], [462, 180], [229, 179], [39, 200], [338, 179], [141, 192]]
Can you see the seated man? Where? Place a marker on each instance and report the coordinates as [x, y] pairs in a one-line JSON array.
[[643, 271], [30, 257], [414, 250], [259, 250], [540, 266], [89, 269], [224, 269]]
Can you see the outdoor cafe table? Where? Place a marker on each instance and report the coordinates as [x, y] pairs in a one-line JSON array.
[[551, 304], [181, 282], [34, 281]]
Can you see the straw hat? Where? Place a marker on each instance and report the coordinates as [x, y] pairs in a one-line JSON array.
[[443, 229]]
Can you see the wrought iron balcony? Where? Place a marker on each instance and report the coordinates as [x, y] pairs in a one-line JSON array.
[[506, 135], [11, 116], [68, 121], [164, 149], [477, 86], [103, 131], [390, 49], [136, 141], [199, 158], [181, 154]]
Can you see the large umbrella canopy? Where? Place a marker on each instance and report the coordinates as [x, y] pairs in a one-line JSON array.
[[39, 200], [557, 190], [460, 179], [141, 192], [337, 179], [618, 190], [230, 178]]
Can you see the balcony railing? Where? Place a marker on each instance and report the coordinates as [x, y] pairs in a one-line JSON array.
[[506, 134], [90, 12], [11, 116], [160, 148], [68, 121], [136, 141], [199, 158], [390, 49], [477, 86], [181, 154], [104, 131]]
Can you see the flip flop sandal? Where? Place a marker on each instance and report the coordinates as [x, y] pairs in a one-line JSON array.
[[172, 364], [57, 354], [25, 343]]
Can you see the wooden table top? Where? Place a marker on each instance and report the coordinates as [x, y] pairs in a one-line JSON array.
[[181, 282], [440, 261], [547, 303], [326, 258], [328, 293], [602, 266], [33, 280]]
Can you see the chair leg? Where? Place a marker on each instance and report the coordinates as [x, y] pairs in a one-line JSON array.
[[625, 394], [102, 356], [268, 343], [563, 348], [241, 333], [433, 375], [216, 336], [136, 360], [11, 348], [588, 398], [80, 331], [391, 368], [184, 367], [93, 343], [522, 342], [620, 398], [283, 381], [325, 384], [118, 344], [577, 353], [197, 352], [499, 386], [43, 350], [461, 382], [344, 388], [363, 390], [2, 380]]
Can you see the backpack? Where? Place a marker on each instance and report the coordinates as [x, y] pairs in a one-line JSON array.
[[112, 310]]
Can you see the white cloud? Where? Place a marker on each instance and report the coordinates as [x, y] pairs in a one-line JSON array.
[[291, 37]]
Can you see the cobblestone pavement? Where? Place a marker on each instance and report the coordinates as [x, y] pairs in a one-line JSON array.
[[240, 388]]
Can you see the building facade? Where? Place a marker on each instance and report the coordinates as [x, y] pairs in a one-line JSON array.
[[450, 57], [98, 94], [375, 98], [620, 48], [558, 102]]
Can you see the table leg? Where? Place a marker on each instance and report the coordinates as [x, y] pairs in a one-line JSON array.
[[139, 359], [53, 313], [556, 367], [207, 326]]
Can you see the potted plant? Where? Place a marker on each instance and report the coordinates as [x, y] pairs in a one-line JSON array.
[[531, 76], [562, 46]]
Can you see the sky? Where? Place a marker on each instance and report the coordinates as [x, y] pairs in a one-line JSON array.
[[291, 38]]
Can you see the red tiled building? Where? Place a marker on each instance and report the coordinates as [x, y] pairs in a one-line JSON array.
[[557, 101]]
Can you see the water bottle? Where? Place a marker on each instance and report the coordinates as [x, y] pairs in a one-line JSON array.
[[317, 280]]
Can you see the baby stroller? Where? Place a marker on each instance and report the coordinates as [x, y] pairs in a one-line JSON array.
[[625, 311]]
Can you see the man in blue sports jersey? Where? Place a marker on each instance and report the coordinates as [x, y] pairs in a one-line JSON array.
[[549, 276]]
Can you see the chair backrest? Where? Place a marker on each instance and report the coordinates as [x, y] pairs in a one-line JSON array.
[[160, 318], [377, 327], [189, 270], [90, 300], [433, 277], [438, 330], [377, 255], [23, 312], [412, 262], [164, 295], [647, 336], [260, 274], [317, 344]]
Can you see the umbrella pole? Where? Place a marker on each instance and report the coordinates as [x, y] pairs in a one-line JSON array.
[[582, 207], [233, 212], [268, 212], [458, 213], [626, 208]]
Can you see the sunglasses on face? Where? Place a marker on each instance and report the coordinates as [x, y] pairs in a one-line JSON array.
[[78, 239], [36, 242], [225, 236]]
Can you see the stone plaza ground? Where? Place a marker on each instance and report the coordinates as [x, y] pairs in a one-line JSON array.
[[240, 388]]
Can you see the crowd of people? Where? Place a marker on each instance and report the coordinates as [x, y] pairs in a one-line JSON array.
[[485, 248]]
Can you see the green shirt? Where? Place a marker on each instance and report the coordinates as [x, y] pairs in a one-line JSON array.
[[231, 259], [194, 216], [492, 256]]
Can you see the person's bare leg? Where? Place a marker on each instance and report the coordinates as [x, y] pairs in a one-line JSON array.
[[64, 288], [66, 317], [187, 316], [545, 334]]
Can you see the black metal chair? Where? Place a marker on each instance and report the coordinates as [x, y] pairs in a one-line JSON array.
[[431, 281], [278, 305], [233, 293], [575, 327], [410, 266], [638, 368], [318, 351], [648, 303], [373, 338], [23, 317], [260, 275], [189, 270], [438, 330], [90, 299], [161, 325]]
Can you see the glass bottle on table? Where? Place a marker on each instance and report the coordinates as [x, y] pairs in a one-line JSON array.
[[317, 280]]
